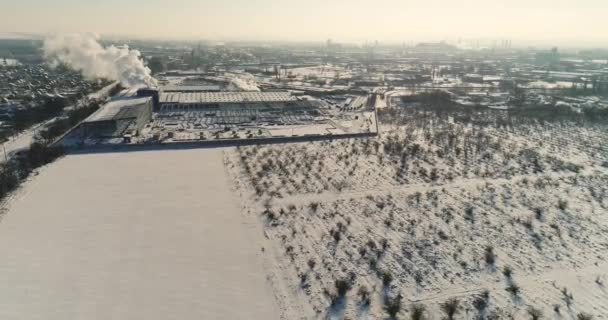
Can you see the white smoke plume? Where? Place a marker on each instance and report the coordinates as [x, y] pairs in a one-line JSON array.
[[83, 52], [242, 82]]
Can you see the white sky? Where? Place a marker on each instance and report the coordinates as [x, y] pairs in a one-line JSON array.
[[581, 21]]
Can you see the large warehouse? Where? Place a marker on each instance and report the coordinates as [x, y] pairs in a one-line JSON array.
[[208, 109], [118, 118], [172, 100]]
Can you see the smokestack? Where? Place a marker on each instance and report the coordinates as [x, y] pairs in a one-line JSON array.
[[83, 52]]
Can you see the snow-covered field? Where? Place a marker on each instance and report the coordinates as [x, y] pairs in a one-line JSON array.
[[491, 218], [148, 235]]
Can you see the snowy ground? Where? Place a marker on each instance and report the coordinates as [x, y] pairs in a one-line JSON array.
[[149, 235], [498, 217], [23, 140]]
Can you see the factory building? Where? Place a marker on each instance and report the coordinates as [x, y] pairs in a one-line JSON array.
[[205, 109], [118, 118], [193, 88], [213, 100]]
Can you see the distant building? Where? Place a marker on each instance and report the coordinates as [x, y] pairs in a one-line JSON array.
[[564, 76], [206, 88], [434, 47], [550, 56], [169, 100], [476, 78], [237, 108]]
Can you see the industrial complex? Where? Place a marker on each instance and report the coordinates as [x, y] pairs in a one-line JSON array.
[[438, 180], [203, 113], [118, 118]]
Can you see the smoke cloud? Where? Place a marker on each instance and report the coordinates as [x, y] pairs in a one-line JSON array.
[[83, 52], [242, 82]]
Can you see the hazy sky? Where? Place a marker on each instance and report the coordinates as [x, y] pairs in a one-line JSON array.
[[582, 21]]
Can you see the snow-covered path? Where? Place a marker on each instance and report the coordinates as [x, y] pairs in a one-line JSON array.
[[148, 235], [23, 140]]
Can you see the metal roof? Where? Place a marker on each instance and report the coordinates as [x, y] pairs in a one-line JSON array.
[[225, 97], [201, 88], [119, 109]]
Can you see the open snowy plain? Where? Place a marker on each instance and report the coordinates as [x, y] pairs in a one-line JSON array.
[[147, 235]]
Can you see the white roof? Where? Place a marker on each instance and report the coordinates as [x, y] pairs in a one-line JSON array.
[[112, 108], [193, 88], [225, 97]]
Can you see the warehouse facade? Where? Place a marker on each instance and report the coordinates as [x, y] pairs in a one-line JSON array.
[[118, 118]]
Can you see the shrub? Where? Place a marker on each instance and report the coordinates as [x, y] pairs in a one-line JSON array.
[[528, 224], [392, 306], [481, 302], [314, 206], [450, 307], [469, 215], [336, 235], [513, 289], [363, 294], [584, 316], [387, 278], [534, 313], [417, 311], [371, 244], [557, 308], [568, 297], [387, 223], [342, 287], [384, 244], [289, 249], [373, 264], [507, 271], [362, 251], [490, 256], [311, 263]]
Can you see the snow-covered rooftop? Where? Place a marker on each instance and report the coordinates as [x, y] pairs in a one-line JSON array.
[[112, 110], [191, 88], [225, 97]]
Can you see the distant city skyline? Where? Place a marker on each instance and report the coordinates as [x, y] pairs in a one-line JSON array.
[[542, 22]]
